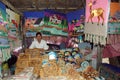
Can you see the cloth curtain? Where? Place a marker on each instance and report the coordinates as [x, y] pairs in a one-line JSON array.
[[111, 51]]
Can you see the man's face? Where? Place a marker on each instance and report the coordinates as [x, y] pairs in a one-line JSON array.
[[38, 37]]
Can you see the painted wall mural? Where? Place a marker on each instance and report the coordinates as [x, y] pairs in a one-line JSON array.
[[114, 19], [97, 12]]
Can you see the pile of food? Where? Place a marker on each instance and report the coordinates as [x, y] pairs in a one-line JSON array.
[[70, 65]]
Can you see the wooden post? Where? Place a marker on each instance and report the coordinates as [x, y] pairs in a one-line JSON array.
[[99, 56]]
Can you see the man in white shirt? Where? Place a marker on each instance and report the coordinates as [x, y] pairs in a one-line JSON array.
[[39, 43]]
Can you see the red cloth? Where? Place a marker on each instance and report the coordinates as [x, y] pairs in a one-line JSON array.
[[111, 51], [113, 39]]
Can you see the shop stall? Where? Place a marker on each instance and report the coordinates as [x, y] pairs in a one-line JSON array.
[[72, 56], [78, 41]]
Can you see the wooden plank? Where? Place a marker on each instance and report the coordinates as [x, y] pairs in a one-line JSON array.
[[11, 6]]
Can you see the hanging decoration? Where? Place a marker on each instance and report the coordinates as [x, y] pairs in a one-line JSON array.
[[56, 23], [55, 19], [13, 17], [48, 22], [2, 18], [114, 19], [97, 12], [2, 12], [13, 21], [76, 22], [4, 44], [32, 23]]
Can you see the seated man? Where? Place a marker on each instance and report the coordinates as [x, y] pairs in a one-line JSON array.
[[39, 42]]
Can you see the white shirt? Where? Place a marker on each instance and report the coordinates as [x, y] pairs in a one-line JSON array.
[[36, 44]]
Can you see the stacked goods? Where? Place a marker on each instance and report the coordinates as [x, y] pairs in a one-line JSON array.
[[26, 74], [89, 73], [22, 62], [49, 69], [31, 58], [68, 64]]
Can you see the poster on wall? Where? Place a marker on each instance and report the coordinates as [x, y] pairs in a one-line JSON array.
[[114, 19], [56, 23], [76, 22], [96, 20]]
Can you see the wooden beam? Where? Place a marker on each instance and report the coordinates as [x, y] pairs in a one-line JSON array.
[[82, 4], [56, 2], [66, 5], [9, 5], [35, 4], [42, 8], [47, 4]]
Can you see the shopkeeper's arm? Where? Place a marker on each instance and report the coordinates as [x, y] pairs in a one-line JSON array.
[[45, 46], [32, 45]]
